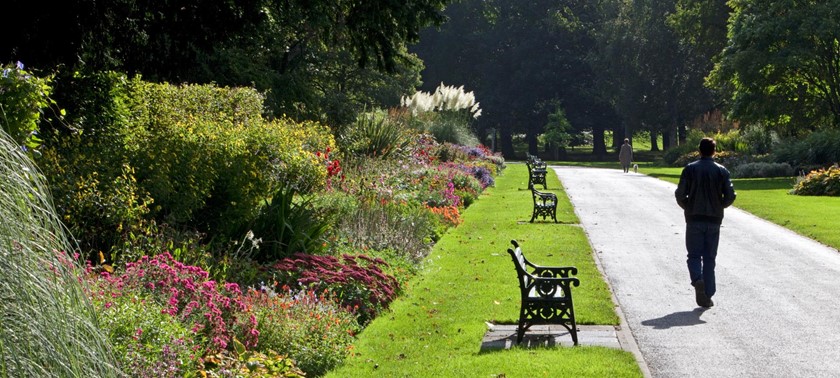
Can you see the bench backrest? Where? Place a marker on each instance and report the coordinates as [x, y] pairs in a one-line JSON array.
[[519, 263]]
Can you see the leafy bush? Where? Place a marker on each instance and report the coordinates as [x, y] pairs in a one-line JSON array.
[[449, 152], [358, 282], [309, 328], [205, 166], [817, 149], [193, 157], [23, 98], [758, 138], [147, 340], [762, 169], [823, 182]]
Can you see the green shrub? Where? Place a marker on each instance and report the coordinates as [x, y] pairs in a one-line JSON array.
[[309, 328], [147, 341], [823, 182], [194, 157], [817, 149], [215, 169], [731, 141], [23, 98], [758, 138], [762, 169]]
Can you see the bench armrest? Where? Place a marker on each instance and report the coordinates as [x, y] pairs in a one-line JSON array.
[[545, 197], [546, 287], [554, 271]]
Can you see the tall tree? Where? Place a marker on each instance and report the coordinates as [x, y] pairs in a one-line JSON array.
[[655, 79], [291, 47], [782, 64], [517, 57]]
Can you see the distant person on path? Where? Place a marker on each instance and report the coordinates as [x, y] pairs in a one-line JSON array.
[[625, 156], [703, 192]]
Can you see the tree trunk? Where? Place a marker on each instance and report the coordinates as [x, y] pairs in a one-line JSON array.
[[654, 142], [599, 148], [618, 138], [668, 137], [532, 144], [506, 143]]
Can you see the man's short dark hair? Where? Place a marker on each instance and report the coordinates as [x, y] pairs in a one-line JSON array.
[[707, 147]]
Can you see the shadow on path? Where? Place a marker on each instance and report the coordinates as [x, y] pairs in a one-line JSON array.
[[677, 319]]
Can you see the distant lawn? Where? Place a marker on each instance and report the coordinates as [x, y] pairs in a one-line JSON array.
[[435, 329], [811, 216]]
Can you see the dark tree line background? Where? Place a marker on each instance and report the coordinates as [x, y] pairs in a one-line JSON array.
[[619, 65], [641, 65]]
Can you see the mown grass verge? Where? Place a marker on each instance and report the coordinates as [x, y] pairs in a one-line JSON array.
[[435, 329], [770, 198]]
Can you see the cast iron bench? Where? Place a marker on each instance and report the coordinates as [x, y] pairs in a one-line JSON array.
[[537, 170], [546, 294], [545, 205]]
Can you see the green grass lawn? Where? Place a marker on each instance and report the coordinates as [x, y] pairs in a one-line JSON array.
[[435, 328], [769, 198]]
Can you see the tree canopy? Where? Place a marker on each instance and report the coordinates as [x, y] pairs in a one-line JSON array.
[[781, 66], [301, 51]]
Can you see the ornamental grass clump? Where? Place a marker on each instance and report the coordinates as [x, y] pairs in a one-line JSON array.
[[358, 282], [446, 113], [49, 328]]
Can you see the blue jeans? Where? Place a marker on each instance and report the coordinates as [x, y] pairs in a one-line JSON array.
[[701, 241]]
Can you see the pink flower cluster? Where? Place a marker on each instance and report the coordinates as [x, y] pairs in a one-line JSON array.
[[357, 281], [215, 311]]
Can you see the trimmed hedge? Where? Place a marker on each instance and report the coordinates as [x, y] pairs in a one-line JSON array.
[[762, 169]]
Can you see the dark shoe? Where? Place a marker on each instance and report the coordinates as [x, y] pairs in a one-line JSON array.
[[700, 294]]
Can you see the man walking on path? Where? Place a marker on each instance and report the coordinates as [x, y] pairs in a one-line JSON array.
[[703, 192]]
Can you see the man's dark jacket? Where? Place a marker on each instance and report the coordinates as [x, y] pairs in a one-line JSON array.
[[704, 191]]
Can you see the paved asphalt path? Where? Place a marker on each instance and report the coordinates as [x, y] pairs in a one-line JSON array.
[[777, 306]]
